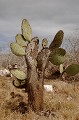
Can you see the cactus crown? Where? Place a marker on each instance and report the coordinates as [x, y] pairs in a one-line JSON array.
[[56, 57]]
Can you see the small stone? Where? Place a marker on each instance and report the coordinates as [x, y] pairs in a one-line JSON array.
[[48, 88], [69, 98]]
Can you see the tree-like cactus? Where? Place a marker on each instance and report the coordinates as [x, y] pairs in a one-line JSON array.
[[36, 62]]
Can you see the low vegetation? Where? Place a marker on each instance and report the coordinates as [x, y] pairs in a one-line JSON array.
[[60, 104]]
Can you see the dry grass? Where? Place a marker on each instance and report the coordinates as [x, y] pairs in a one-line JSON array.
[[61, 104]]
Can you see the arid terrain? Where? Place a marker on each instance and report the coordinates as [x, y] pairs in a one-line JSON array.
[[60, 104]]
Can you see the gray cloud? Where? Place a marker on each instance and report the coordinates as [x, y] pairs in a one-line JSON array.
[[45, 16]]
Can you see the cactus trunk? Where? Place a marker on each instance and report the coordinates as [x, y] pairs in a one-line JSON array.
[[35, 97], [35, 88]]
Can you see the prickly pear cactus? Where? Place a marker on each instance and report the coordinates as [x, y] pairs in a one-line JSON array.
[[57, 40], [17, 49], [26, 30], [44, 43], [36, 62]]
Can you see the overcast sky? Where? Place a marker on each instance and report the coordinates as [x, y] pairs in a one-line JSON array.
[[46, 17]]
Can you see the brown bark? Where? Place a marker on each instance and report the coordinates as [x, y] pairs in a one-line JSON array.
[[36, 64], [35, 87], [35, 96], [35, 90]]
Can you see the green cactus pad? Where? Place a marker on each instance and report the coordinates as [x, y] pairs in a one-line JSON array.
[[19, 74], [20, 40], [56, 59], [61, 68], [72, 69], [57, 40], [19, 84], [23, 82], [17, 49], [44, 42], [59, 51], [16, 83], [26, 30]]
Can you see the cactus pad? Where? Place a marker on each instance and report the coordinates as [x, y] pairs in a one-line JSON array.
[[16, 83], [18, 74], [57, 40], [23, 82], [56, 59], [61, 68], [19, 84], [72, 69], [26, 30], [44, 42], [20, 40], [17, 49], [59, 51]]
